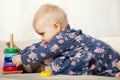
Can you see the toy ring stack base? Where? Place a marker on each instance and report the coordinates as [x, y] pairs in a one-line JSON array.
[[11, 69], [12, 72]]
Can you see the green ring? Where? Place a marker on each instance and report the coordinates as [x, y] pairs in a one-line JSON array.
[[11, 50]]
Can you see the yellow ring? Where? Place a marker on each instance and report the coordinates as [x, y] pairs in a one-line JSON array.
[[45, 74]]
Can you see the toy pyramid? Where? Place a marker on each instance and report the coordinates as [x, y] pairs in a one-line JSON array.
[[8, 66]]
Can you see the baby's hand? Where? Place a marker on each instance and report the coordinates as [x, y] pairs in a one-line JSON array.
[[16, 60]]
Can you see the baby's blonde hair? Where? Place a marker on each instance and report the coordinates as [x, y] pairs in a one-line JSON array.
[[51, 13]]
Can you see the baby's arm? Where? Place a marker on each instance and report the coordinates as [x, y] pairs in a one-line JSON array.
[[39, 51], [16, 60]]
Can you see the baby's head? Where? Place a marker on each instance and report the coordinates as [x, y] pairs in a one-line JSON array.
[[49, 20]]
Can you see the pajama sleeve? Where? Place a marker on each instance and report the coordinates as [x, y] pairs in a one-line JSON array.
[[29, 47], [39, 51]]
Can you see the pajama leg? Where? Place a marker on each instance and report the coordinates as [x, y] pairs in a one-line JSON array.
[[85, 62], [60, 65], [76, 64], [109, 61]]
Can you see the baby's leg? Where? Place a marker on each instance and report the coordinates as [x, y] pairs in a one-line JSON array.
[[37, 67], [33, 68]]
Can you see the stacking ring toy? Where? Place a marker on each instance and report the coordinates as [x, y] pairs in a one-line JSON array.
[[10, 54], [9, 68], [11, 50], [8, 64], [8, 59], [45, 74]]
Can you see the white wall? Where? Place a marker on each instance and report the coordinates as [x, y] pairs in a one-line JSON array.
[[98, 18]]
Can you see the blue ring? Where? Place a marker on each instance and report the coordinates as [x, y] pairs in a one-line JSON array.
[[8, 64], [10, 54], [8, 59]]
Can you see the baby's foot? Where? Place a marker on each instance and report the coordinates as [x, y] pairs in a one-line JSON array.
[[117, 75], [118, 65]]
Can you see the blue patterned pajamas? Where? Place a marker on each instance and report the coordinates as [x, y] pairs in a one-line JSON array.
[[74, 53]]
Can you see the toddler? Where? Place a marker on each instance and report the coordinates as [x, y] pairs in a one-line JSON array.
[[66, 50]]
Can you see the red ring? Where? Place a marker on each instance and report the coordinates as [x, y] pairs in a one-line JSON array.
[[11, 68]]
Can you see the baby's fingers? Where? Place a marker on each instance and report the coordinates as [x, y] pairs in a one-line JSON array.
[[14, 60], [17, 64]]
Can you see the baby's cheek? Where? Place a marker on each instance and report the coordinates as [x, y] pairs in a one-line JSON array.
[[48, 61]]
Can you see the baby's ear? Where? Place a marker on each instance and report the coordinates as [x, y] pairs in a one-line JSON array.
[[58, 26]]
